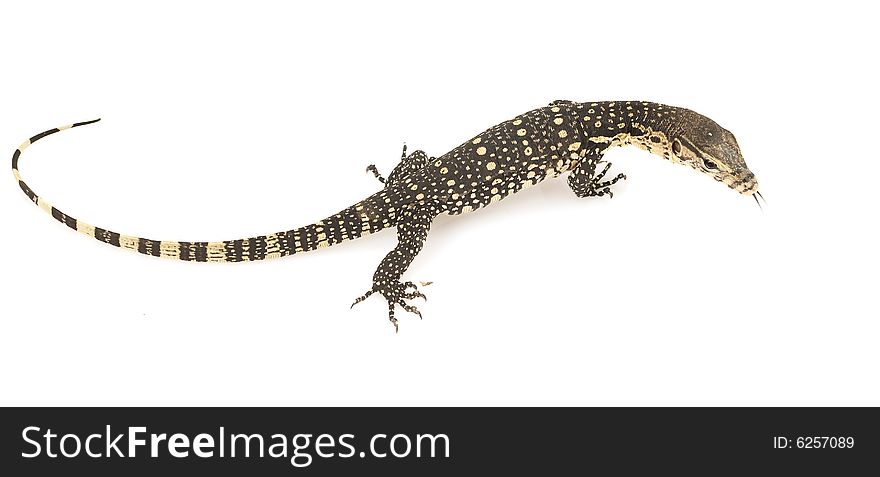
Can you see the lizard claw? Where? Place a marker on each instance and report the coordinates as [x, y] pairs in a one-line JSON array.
[[410, 296], [361, 298], [409, 308], [605, 186], [395, 294], [416, 293], [391, 317], [372, 168]]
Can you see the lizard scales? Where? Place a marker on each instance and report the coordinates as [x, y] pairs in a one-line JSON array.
[[563, 137]]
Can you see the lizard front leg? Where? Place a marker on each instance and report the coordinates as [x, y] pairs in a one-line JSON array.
[[584, 180], [407, 165], [412, 230]]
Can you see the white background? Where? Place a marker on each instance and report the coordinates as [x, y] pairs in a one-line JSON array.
[[223, 121]]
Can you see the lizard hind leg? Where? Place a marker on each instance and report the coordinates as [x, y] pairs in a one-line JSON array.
[[412, 230]]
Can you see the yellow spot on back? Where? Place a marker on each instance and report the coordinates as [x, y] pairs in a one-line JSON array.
[[563, 133], [477, 140], [528, 151], [555, 109], [521, 132], [557, 121], [574, 146], [517, 122], [481, 150], [490, 166]]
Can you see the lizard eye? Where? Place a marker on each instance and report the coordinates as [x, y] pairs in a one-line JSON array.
[[676, 147], [710, 165]]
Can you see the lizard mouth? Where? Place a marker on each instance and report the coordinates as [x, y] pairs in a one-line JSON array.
[[748, 189], [746, 184]]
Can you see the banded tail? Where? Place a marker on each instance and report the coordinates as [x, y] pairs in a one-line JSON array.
[[368, 216]]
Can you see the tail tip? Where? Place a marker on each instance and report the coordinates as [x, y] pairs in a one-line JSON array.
[[86, 122]]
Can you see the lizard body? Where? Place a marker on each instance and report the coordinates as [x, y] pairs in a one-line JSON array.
[[563, 137]]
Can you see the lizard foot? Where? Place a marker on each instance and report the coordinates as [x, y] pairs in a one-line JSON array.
[[591, 184], [605, 186], [372, 168], [395, 294], [600, 187]]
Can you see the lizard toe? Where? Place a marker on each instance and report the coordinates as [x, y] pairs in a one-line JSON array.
[[395, 294]]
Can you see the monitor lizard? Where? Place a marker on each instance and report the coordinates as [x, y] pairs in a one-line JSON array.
[[563, 137]]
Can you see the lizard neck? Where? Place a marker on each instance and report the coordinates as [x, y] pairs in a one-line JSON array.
[[649, 126]]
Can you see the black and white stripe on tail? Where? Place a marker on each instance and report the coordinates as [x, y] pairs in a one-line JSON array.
[[356, 221]]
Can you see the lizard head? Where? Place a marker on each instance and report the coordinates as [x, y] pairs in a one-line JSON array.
[[707, 147]]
